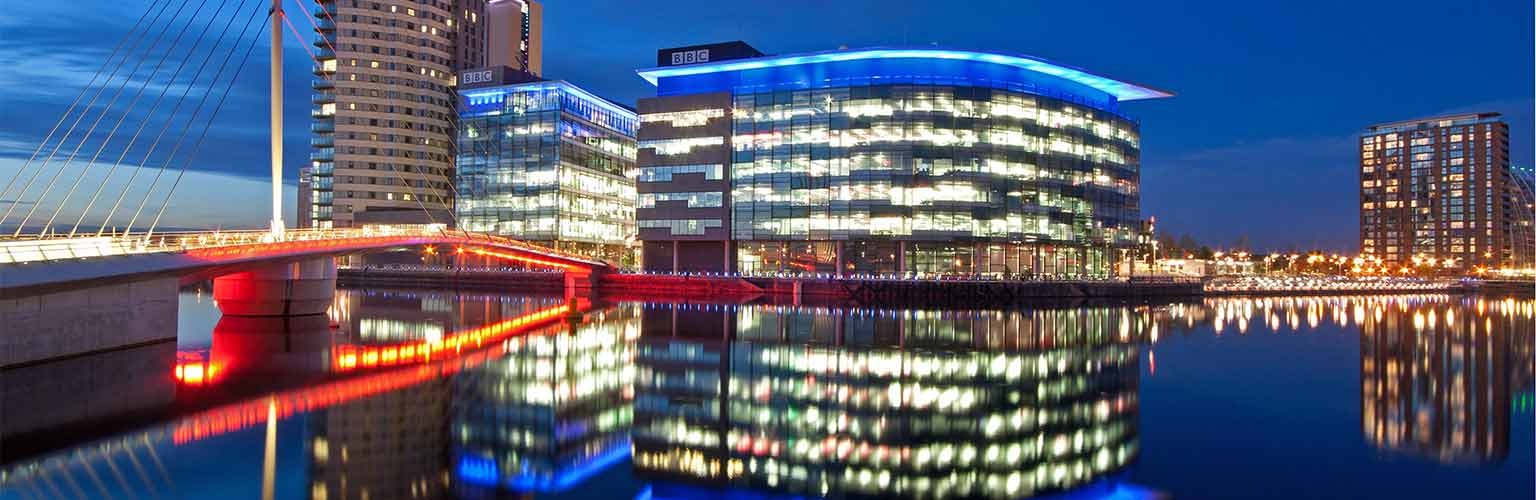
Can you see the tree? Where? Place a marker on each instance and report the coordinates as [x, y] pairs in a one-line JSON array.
[[1187, 244]]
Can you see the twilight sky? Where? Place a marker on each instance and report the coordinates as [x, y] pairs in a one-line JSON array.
[[1259, 141]]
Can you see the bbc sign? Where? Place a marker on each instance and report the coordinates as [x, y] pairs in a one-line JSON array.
[[690, 56], [473, 77]]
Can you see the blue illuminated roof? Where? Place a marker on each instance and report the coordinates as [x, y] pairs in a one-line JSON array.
[[1119, 89], [502, 90]]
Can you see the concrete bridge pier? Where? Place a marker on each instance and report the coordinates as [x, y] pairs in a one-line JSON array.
[[292, 289]]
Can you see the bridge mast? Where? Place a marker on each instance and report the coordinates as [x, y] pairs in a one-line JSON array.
[[277, 117]]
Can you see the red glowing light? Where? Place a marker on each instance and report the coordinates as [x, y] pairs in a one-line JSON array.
[[193, 368], [247, 414], [346, 357], [529, 260]]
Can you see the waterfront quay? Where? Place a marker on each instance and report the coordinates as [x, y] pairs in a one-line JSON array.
[[878, 289]]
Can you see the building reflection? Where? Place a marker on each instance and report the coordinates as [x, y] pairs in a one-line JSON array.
[[551, 412], [810, 401], [1438, 381], [395, 444]]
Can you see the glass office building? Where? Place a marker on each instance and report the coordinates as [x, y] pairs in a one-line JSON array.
[[913, 161], [548, 162]]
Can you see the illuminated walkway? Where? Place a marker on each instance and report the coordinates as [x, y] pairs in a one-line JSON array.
[[54, 261]]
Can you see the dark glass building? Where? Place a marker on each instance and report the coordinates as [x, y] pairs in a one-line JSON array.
[[918, 161]]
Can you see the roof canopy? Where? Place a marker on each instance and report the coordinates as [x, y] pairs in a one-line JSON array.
[[1119, 89]]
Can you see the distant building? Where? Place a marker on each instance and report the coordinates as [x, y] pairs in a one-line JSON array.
[[305, 202], [916, 160], [382, 135], [1440, 191], [547, 161]]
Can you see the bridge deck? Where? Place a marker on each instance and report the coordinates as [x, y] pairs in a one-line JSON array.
[[47, 262]]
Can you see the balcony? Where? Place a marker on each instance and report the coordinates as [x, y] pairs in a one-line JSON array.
[[322, 98], [322, 141], [324, 127], [324, 85], [325, 67]]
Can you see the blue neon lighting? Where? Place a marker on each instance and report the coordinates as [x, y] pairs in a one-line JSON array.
[[1119, 89], [477, 470], [483, 471], [489, 99]]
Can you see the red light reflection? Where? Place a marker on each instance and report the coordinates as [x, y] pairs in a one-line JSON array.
[[450, 353]]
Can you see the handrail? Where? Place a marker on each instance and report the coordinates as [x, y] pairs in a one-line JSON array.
[[59, 247]]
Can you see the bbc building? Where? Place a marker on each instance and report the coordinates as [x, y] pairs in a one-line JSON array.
[[910, 161]]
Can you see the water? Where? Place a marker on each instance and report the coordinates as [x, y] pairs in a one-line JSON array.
[[422, 394]]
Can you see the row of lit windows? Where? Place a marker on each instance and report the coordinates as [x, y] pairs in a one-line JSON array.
[[691, 200], [691, 118], [690, 227], [713, 172], [681, 145]]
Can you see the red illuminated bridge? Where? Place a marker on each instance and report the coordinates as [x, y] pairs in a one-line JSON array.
[[32, 264]]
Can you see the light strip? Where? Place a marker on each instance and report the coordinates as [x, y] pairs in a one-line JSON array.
[[554, 85], [1122, 90]]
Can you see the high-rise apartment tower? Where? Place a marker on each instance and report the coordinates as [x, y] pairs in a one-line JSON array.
[[382, 135], [1439, 192]]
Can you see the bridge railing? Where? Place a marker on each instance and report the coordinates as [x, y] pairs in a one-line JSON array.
[[63, 247]]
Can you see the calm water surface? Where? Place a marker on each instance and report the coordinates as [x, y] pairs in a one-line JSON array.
[[427, 394]]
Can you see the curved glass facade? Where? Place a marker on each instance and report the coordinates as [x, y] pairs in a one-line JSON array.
[[915, 162], [932, 163]]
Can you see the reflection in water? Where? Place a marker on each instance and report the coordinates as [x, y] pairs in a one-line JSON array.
[[885, 403], [1437, 383], [395, 444], [552, 411], [423, 394]]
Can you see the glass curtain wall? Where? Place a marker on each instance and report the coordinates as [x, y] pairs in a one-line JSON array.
[[547, 164], [1045, 186]]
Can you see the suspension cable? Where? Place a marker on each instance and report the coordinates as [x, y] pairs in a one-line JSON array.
[[300, 36], [91, 130], [316, 24], [121, 196], [175, 75], [60, 122], [218, 40], [201, 135]]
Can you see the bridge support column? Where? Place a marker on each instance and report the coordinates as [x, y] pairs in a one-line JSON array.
[[292, 289]]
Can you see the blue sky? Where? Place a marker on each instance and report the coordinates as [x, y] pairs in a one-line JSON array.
[[1259, 141]]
